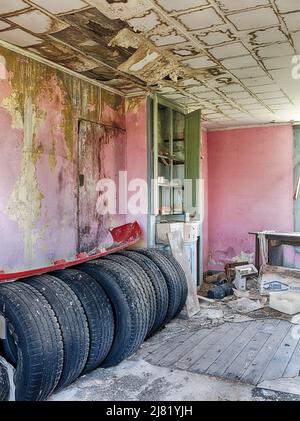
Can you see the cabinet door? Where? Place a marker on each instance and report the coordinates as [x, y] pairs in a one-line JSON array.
[[192, 158], [102, 154]]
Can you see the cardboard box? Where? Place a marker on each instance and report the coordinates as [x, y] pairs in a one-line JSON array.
[[278, 279]]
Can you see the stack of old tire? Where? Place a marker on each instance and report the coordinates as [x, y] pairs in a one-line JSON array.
[[66, 324]]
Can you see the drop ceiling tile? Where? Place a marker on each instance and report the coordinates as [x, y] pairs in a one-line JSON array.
[[174, 95], [202, 62], [239, 62], [292, 21], [37, 22], [275, 50], [281, 108], [201, 19], [233, 5], [215, 116], [212, 38], [296, 39], [80, 64], [171, 39], [59, 6], [4, 25], [287, 5], [145, 23], [248, 101], [239, 95], [278, 63], [206, 95], [53, 51], [185, 50], [267, 36], [270, 95], [257, 106], [19, 37], [232, 88], [227, 107], [188, 101], [237, 115], [179, 5], [275, 101], [219, 102], [191, 82], [198, 89], [258, 81], [219, 82], [235, 49], [253, 19], [248, 72], [10, 6], [264, 88]]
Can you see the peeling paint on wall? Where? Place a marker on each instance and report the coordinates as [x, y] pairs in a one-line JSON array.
[[24, 205], [39, 112]]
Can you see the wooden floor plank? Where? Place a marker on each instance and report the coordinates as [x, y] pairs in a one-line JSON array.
[[194, 342], [281, 358], [159, 342], [246, 356], [251, 351], [229, 355], [270, 326], [168, 345], [193, 354], [254, 372], [202, 364], [293, 367]]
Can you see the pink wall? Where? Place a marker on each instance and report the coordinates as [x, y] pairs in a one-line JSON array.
[[40, 108], [250, 179], [204, 175], [136, 126]]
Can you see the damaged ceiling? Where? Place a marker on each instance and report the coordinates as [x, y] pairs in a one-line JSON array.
[[236, 60]]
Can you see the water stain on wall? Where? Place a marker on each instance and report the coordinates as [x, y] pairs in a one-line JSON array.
[[44, 106]]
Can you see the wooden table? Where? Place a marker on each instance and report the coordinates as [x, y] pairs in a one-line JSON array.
[[278, 239]]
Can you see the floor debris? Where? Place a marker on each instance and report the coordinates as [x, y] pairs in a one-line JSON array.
[[210, 313], [245, 305]]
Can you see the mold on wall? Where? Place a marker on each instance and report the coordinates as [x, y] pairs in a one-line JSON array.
[[40, 108], [136, 127]]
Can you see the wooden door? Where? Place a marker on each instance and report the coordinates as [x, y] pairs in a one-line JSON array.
[[102, 154]]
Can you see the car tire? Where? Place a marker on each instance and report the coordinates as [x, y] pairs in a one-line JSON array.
[[98, 311], [159, 284], [72, 322], [38, 341], [171, 278], [139, 273], [130, 307]]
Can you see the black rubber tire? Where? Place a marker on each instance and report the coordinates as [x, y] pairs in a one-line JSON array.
[[37, 335], [10, 351], [159, 284], [171, 278], [135, 269], [130, 308], [182, 278], [4, 383], [98, 311], [72, 322]]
